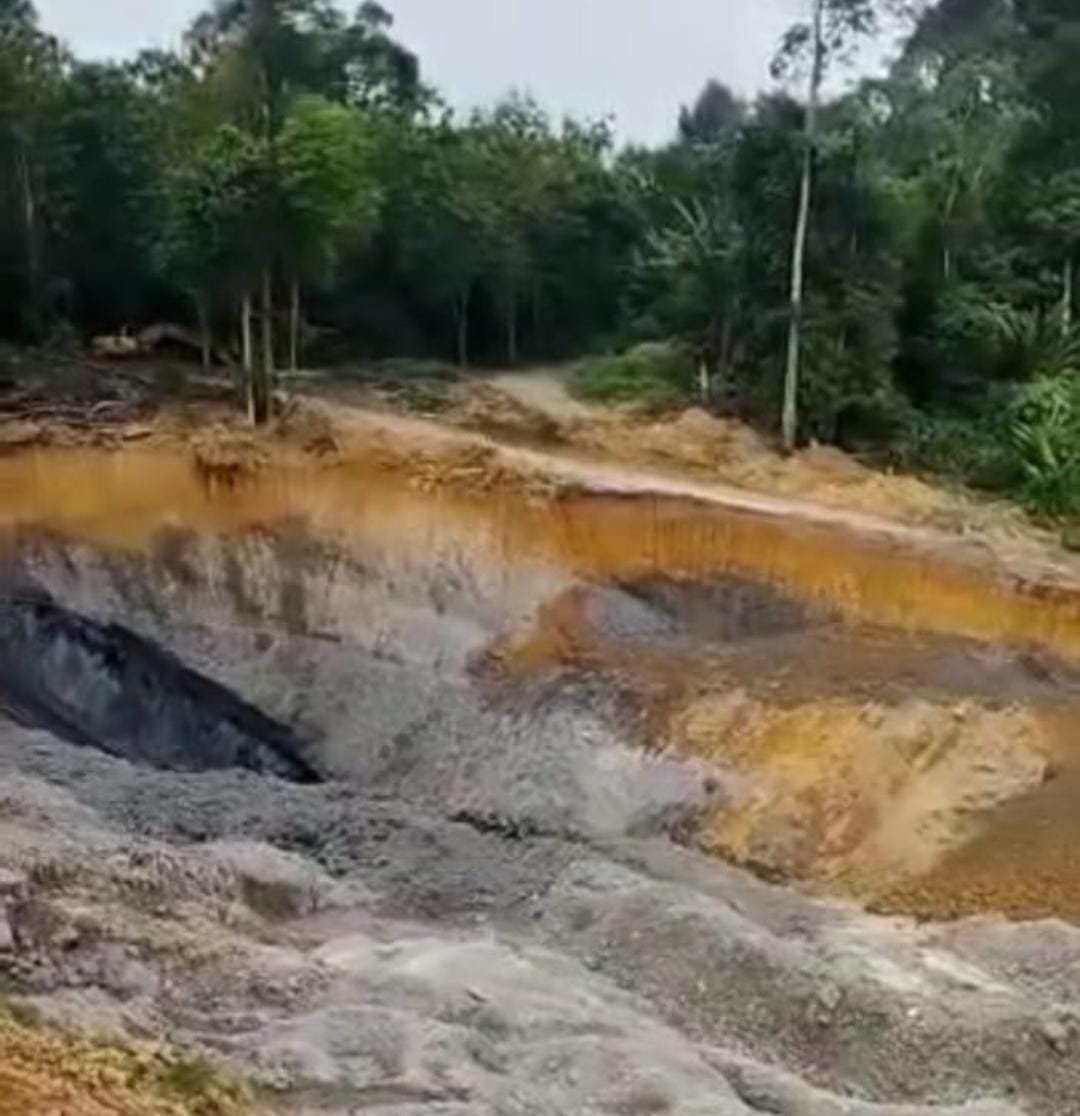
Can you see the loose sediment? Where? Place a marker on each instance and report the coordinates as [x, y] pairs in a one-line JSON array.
[[516, 690], [807, 696]]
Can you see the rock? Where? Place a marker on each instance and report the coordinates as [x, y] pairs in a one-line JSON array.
[[16, 434], [7, 936], [1057, 1035], [272, 883], [829, 997], [14, 886]]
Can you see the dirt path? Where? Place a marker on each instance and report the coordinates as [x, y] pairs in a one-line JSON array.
[[544, 389]]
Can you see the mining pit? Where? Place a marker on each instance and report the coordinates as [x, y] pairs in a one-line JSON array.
[[406, 772]]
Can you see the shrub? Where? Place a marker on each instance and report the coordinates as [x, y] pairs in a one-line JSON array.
[[1026, 445], [1032, 345], [1044, 427], [657, 375], [974, 451]]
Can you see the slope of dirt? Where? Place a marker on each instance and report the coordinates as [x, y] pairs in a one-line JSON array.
[[527, 677], [445, 970], [726, 451], [374, 585]]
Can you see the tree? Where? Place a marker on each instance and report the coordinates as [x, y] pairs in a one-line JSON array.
[[31, 73], [102, 181], [697, 259], [713, 117], [260, 56], [517, 161], [364, 66], [452, 226], [833, 24], [216, 205], [329, 194]]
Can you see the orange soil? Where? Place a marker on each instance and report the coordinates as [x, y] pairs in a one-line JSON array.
[[535, 407], [51, 1075], [594, 522]]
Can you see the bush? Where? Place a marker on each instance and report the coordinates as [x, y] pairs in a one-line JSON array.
[[974, 451], [658, 375], [1026, 445], [1044, 426]]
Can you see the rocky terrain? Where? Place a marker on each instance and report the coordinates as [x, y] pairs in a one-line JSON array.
[[364, 780]]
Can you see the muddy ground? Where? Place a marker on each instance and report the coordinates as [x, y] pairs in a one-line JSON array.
[[396, 770]]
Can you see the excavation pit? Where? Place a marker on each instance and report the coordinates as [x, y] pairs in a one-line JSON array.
[[845, 708]]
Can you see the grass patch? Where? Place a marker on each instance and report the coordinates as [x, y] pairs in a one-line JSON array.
[[657, 375]]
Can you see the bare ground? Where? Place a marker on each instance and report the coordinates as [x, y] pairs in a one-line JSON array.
[[481, 910]]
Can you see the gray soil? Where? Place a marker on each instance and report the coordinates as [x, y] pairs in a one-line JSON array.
[[478, 909]]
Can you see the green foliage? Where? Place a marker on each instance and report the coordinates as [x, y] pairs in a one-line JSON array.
[[1030, 345], [1026, 444], [689, 268], [215, 208], [656, 375], [329, 192], [714, 117], [1045, 439], [971, 451]]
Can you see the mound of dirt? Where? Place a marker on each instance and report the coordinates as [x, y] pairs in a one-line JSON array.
[[727, 451], [1023, 865], [622, 979], [483, 407], [730, 452]]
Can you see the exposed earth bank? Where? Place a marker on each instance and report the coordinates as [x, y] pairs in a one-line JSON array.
[[393, 769]]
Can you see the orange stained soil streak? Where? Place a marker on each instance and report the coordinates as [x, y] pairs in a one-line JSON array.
[[824, 781], [857, 794], [126, 498]]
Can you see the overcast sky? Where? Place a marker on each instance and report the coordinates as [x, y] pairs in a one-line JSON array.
[[636, 59]]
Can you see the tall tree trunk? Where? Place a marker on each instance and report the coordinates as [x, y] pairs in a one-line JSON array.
[[247, 358], [264, 376], [205, 344], [1067, 284], [511, 331], [461, 318], [790, 420], [294, 327], [704, 379], [534, 314], [724, 359], [30, 231]]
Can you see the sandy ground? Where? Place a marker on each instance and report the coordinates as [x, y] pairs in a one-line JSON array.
[[46, 1074]]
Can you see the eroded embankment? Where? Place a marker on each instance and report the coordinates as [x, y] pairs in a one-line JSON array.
[[861, 706]]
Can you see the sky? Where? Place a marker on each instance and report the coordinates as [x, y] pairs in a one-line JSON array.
[[638, 60]]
